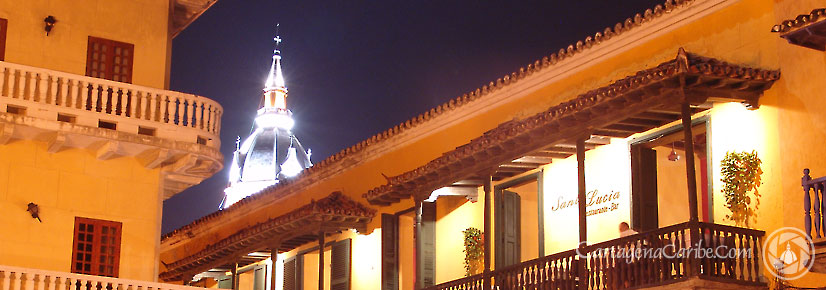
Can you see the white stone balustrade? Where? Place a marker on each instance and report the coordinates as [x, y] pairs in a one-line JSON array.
[[87, 101], [15, 278]]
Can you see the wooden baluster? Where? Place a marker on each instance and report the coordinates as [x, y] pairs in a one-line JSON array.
[[152, 102], [807, 203], [18, 84], [84, 103], [54, 92], [42, 85], [133, 103], [2, 93], [38, 282], [170, 110], [755, 257], [822, 212], [199, 124], [12, 278], [817, 188], [123, 99], [107, 93], [31, 86]]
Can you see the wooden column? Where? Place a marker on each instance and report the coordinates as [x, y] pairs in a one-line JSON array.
[[321, 261], [488, 187], [188, 279], [583, 227], [235, 276], [691, 175], [273, 259], [417, 251]]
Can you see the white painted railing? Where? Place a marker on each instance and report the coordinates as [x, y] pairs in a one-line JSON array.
[[82, 96], [15, 278]]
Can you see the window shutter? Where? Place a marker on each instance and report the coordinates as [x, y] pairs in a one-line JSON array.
[[508, 229], [340, 266], [109, 59], [260, 278], [644, 189], [389, 252], [293, 273], [4, 24], [426, 238], [96, 247]]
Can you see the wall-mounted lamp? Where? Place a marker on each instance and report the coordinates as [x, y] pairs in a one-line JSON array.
[[50, 21], [34, 209]]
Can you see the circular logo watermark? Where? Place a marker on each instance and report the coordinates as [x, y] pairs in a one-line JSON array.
[[788, 253]]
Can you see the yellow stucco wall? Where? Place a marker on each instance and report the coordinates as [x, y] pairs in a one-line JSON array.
[[73, 183], [143, 23]]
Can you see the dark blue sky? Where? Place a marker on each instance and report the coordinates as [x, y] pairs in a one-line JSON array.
[[354, 68]]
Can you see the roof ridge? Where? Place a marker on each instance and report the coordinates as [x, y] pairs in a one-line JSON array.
[[545, 62]]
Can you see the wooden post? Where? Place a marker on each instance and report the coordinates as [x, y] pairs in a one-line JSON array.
[[583, 227], [321, 261], [691, 181], [689, 163], [188, 279], [488, 187], [273, 259], [235, 276], [417, 251]]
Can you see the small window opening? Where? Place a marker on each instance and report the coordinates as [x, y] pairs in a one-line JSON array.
[[107, 125], [146, 131], [16, 110], [201, 140], [66, 118]]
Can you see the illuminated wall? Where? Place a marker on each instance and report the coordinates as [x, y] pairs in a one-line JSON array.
[[142, 23], [73, 183], [608, 182], [454, 214]]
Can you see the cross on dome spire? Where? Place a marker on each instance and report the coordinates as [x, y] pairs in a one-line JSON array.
[[275, 89]]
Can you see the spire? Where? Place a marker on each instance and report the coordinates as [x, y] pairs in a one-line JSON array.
[[275, 89]]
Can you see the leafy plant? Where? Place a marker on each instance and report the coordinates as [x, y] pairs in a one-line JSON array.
[[741, 174], [474, 250]]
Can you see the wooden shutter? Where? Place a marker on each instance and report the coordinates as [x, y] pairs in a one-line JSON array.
[[507, 229], [96, 247], [426, 243], [225, 282], [644, 215], [4, 24], [109, 59], [259, 281], [293, 273], [389, 252], [340, 259]]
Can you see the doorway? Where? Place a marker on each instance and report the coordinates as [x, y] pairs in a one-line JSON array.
[[518, 220], [658, 177]]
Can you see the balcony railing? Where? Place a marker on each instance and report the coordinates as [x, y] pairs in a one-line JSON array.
[[663, 256], [15, 278], [167, 114]]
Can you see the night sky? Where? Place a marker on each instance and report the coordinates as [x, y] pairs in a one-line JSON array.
[[354, 69]]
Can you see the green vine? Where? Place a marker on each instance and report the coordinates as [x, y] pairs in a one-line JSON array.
[[741, 174], [474, 250]]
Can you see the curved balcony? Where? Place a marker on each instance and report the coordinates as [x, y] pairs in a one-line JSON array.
[[176, 131]]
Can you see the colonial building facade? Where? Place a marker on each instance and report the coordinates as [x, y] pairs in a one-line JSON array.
[[542, 166], [92, 141]]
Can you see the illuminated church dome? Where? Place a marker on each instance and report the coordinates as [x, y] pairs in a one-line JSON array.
[[271, 153]]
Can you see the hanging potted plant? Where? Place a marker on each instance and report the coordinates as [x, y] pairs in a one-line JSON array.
[[474, 251], [741, 177]]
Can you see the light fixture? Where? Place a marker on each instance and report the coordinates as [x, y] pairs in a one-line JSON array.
[[34, 209], [673, 156], [50, 21]]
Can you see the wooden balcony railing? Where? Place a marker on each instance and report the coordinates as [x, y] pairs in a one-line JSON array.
[[666, 255], [817, 185], [16, 278], [46, 93]]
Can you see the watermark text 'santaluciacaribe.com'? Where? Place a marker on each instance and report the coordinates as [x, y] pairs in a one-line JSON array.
[[631, 253]]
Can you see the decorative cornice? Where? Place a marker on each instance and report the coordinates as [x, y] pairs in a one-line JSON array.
[[800, 21]]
